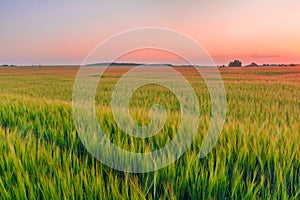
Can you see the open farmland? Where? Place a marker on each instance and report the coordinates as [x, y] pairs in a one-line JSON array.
[[256, 156]]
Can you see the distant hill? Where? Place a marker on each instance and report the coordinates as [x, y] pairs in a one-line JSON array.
[[127, 64]]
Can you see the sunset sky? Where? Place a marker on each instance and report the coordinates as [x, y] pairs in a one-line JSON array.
[[64, 32]]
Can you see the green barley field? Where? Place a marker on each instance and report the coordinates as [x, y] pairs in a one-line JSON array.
[[256, 157]]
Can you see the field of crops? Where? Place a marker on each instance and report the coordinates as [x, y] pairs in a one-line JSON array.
[[256, 156]]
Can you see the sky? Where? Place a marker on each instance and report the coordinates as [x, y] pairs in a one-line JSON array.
[[65, 31]]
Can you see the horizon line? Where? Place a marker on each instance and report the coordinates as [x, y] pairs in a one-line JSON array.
[[138, 63]]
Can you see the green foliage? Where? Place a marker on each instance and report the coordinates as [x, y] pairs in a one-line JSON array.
[[42, 157]]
